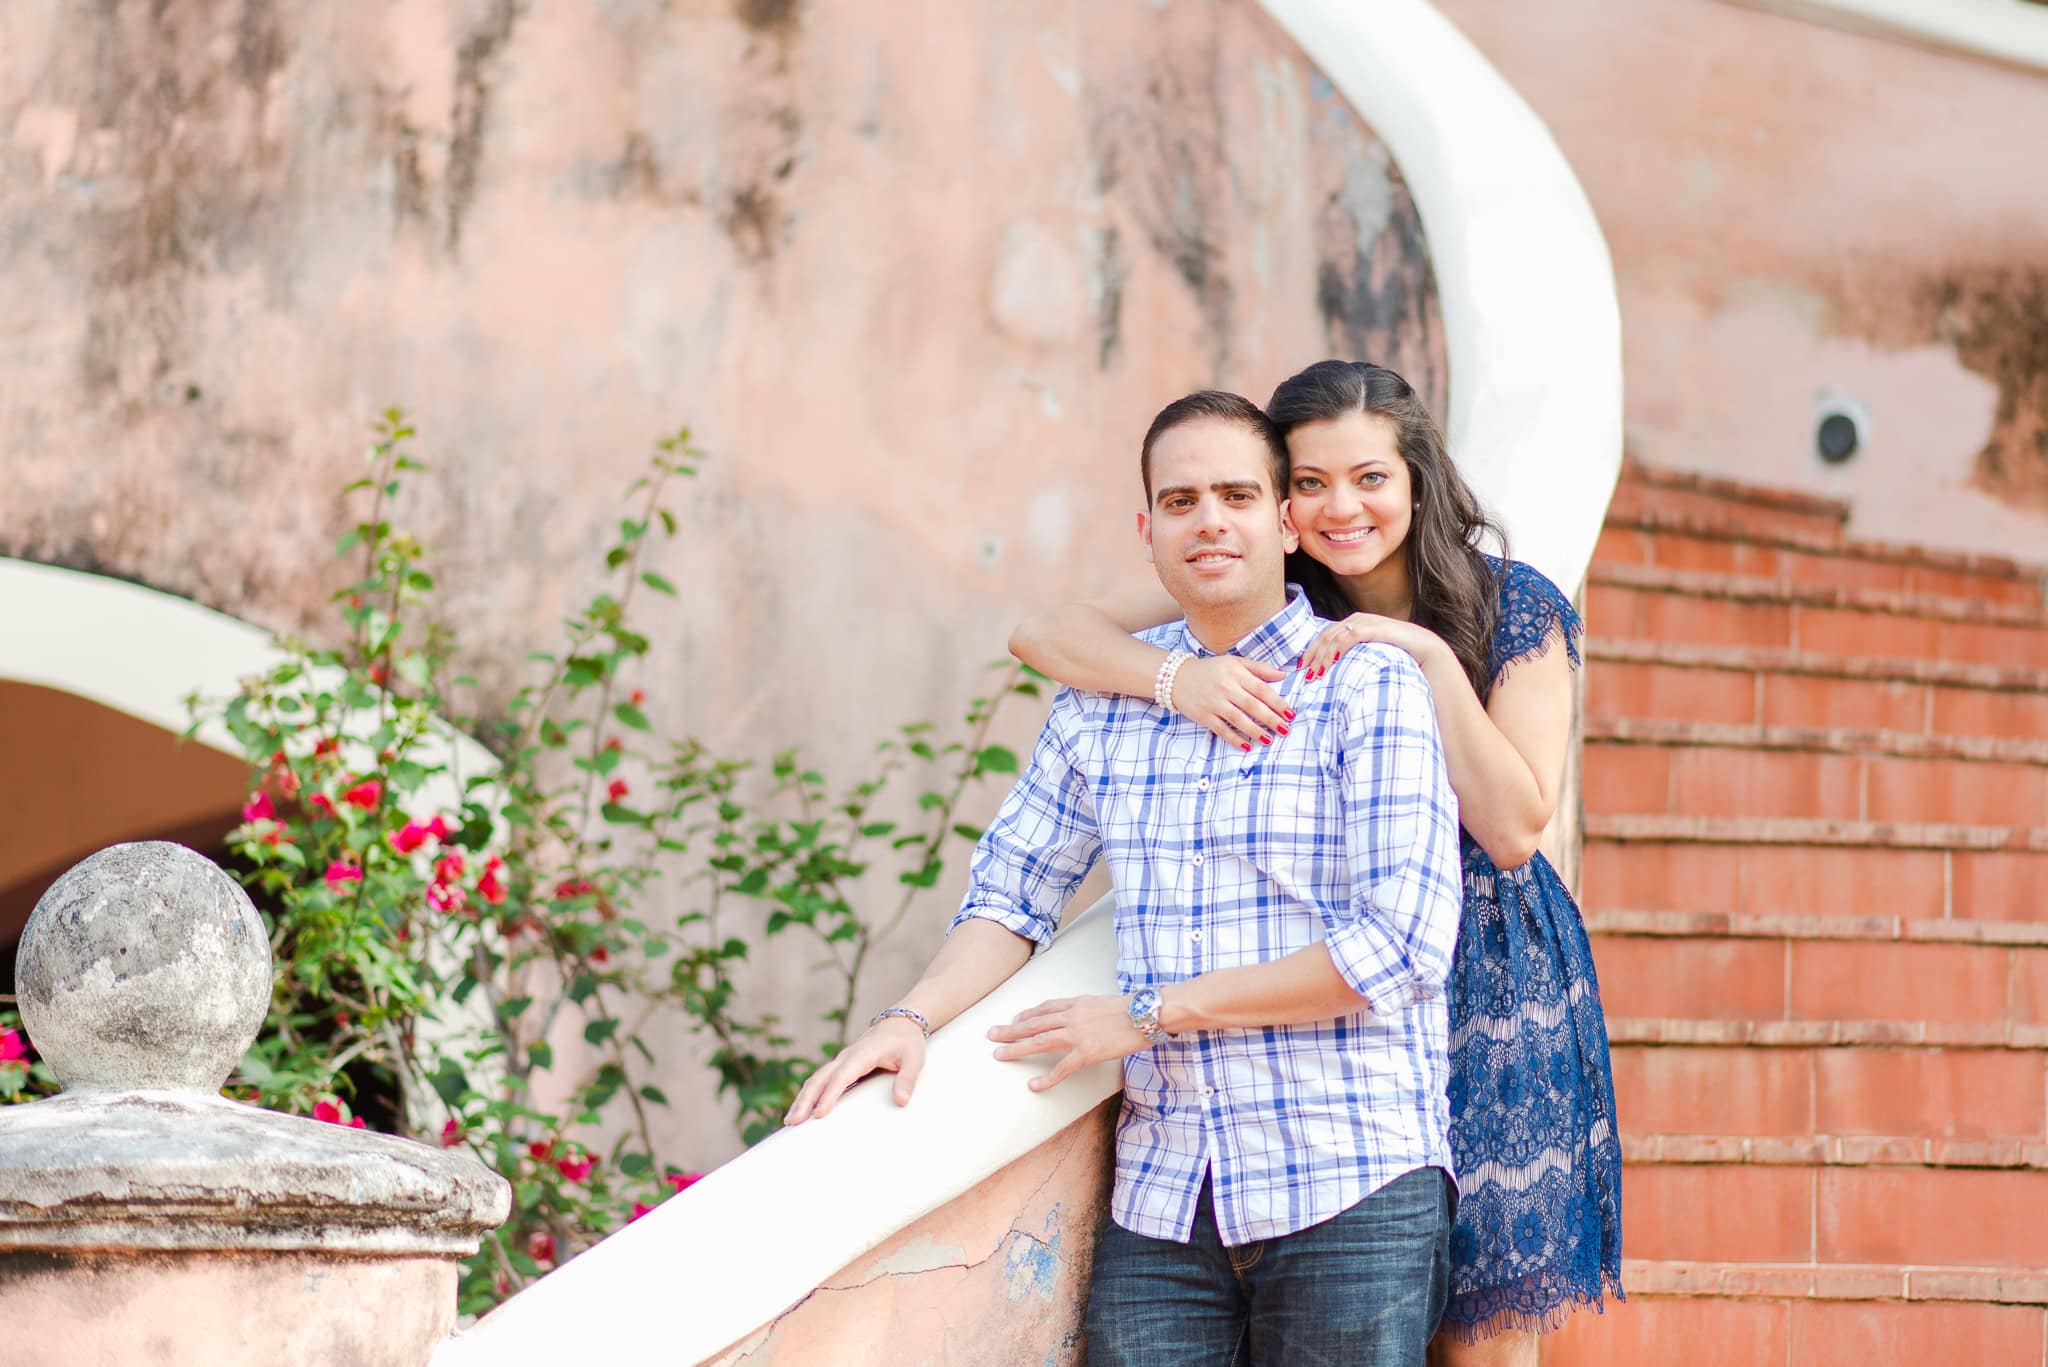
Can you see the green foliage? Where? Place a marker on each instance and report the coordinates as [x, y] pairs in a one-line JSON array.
[[441, 931]]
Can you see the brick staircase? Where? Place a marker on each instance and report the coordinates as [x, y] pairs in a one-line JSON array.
[[1816, 873]]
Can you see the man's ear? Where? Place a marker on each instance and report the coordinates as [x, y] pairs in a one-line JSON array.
[[1145, 534], [1289, 537]]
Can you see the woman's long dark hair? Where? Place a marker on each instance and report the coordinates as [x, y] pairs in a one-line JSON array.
[[1456, 590]]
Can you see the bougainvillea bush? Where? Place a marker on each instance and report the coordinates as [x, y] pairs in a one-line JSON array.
[[446, 912]]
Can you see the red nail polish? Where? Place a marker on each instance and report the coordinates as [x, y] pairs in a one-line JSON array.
[[1247, 747], [1282, 730], [1290, 714], [1265, 740]]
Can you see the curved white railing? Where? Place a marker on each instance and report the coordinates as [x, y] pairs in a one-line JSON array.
[[756, 1236], [1533, 324], [1523, 278], [2013, 31]]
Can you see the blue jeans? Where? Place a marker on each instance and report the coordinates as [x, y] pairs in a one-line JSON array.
[[1363, 1289]]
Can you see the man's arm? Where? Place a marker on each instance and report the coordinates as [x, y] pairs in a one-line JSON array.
[[1040, 846], [1401, 837]]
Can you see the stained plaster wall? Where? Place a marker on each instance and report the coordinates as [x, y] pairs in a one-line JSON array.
[[1800, 214], [918, 274]]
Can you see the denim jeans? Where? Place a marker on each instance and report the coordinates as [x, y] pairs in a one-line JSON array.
[[1363, 1289]]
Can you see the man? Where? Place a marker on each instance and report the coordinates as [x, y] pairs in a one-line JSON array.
[[1284, 925]]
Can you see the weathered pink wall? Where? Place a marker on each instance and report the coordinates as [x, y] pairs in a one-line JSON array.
[[223, 1309], [1795, 210], [918, 273], [992, 1279]]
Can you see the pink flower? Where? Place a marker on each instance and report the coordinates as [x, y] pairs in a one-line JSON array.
[[614, 743], [640, 1208], [327, 746], [683, 1181], [366, 795], [258, 808], [488, 885], [356, 1124], [446, 897], [452, 1133], [600, 955], [11, 1046], [449, 867], [328, 1111], [275, 836], [616, 789], [575, 1165], [341, 871], [438, 828], [408, 837], [541, 1150], [323, 804], [540, 1246], [639, 696]]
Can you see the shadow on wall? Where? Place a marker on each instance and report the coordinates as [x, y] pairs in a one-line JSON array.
[[86, 776]]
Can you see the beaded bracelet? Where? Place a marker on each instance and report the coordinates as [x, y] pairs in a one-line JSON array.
[[1162, 682], [913, 1017]]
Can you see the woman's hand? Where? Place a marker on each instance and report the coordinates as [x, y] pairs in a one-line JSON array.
[[1081, 1030], [1357, 629], [1233, 697], [891, 1045]]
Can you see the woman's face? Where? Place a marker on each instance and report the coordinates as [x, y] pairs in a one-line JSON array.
[[1349, 491]]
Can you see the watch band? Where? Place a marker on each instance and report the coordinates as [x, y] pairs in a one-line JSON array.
[[1144, 1011]]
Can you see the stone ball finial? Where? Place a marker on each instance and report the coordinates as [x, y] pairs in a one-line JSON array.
[[144, 966]]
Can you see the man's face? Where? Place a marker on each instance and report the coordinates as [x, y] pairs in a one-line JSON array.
[[1215, 531]]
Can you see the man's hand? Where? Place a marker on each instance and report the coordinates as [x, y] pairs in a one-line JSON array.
[[893, 1044], [1082, 1030]]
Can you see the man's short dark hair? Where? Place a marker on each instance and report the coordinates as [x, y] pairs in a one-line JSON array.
[[1225, 407]]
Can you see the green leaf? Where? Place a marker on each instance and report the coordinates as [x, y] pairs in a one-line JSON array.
[[515, 1007], [965, 831], [654, 1094], [449, 1082], [635, 1164], [598, 1031], [629, 715], [657, 583], [995, 759], [581, 987], [541, 1054]]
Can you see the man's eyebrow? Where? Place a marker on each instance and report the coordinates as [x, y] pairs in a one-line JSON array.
[[1221, 486]]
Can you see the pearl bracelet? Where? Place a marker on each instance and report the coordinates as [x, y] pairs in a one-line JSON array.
[[1162, 682]]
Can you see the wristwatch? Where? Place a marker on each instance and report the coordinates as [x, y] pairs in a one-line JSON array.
[[1144, 1009]]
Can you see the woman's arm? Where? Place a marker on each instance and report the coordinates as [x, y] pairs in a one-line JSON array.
[[1506, 758], [1090, 646]]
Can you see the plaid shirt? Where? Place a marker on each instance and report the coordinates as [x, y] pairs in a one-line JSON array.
[[1344, 833]]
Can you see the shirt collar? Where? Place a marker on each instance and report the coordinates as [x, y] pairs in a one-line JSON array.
[[1277, 641]]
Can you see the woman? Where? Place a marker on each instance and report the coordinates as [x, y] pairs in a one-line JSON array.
[[1390, 552]]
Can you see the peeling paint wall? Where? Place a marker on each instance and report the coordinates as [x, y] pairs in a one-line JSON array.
[[996, 1278], [919, 275], [1801, 216]]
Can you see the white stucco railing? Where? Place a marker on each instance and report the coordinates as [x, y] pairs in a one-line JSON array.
[[2014, 31], [711, 1265], [1533, 325], [1524, 280]]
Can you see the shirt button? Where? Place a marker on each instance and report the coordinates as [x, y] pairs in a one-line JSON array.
[[1202, 785], [1208, 1091], [1196, 937], [1198, 861]]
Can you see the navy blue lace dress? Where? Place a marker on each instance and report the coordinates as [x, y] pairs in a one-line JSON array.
[[1538, 1230]]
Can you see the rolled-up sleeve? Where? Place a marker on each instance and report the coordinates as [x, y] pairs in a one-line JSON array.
[[1401, 838], [1043, 841]]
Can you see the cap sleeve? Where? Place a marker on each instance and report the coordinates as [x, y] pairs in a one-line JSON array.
[[1533, 613]]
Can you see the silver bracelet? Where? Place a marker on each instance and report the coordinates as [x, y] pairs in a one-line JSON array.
[[907, 1014]]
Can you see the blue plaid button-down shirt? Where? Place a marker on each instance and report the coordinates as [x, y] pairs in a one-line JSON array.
[[1343, 832]]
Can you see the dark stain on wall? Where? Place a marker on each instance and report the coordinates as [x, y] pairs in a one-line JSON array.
[[1996, 318], [469, 120], [1378, 302], [1108, 270], [768, 16]]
